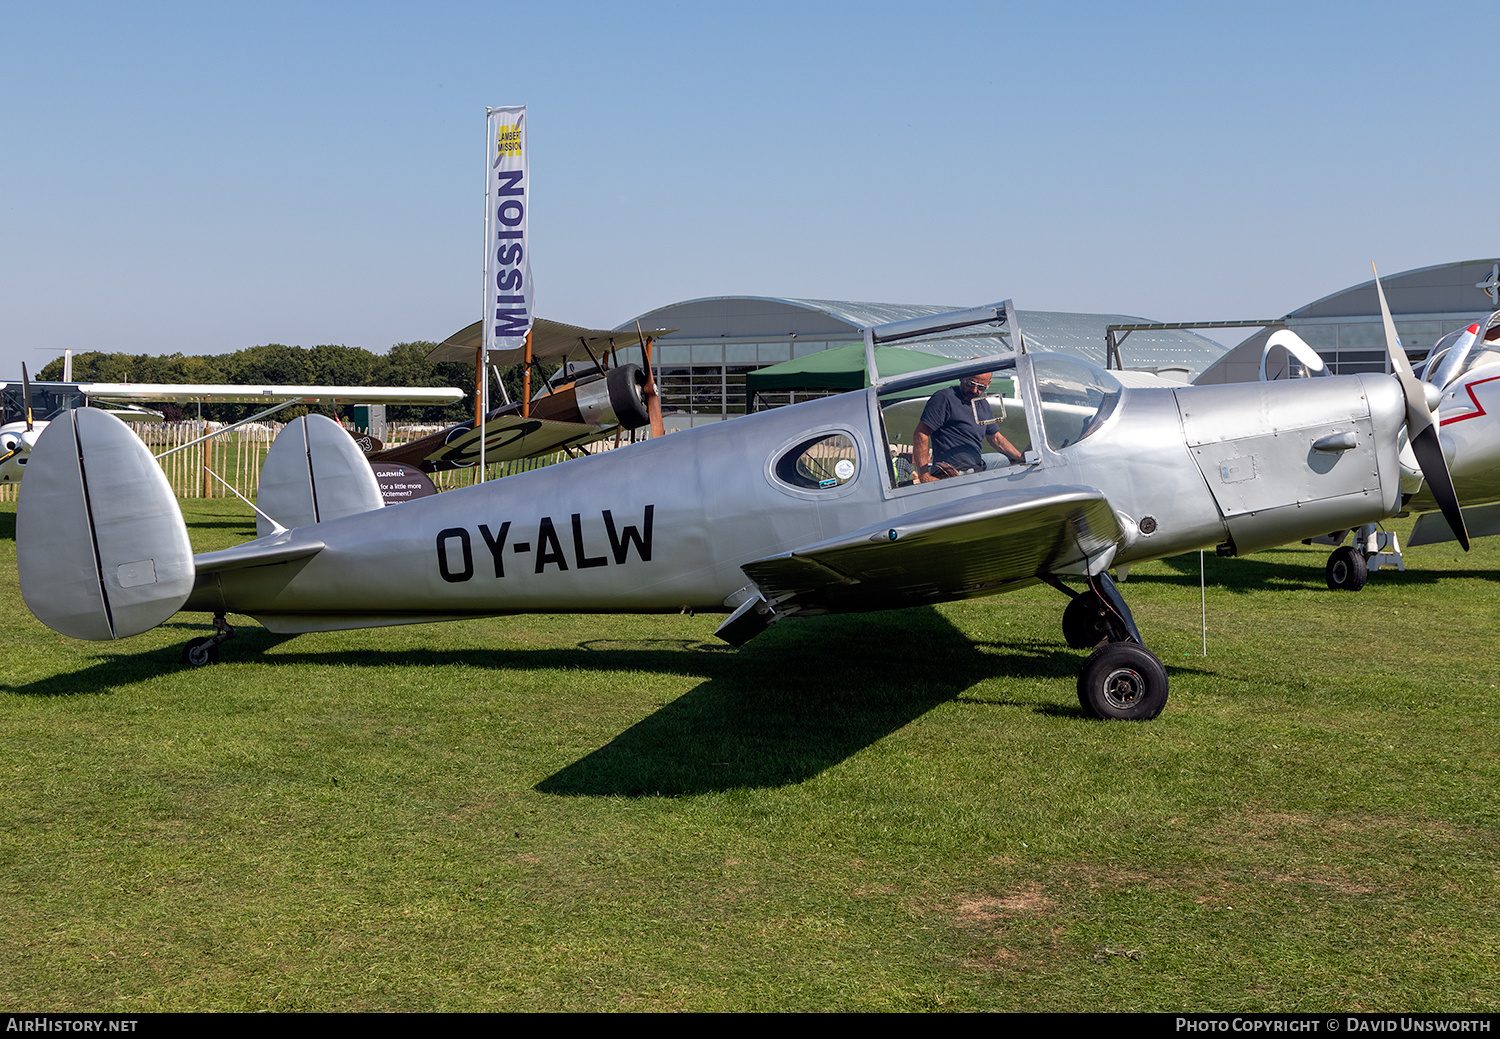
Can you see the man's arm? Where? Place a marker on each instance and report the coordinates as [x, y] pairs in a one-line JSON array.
[[921, 453], [1006, 448]]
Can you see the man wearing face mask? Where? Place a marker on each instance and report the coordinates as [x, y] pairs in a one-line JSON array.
[[955, 424]]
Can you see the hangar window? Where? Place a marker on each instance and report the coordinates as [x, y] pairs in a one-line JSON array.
[[820, 463]]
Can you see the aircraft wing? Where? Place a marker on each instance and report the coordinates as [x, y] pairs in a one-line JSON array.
[[507, 437], [958, 550], [550, 341], [230, 394]]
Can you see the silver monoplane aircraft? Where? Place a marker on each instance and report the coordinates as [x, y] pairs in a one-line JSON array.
[[815, 508]]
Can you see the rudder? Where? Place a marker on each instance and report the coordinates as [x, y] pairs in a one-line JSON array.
[[101, 548]]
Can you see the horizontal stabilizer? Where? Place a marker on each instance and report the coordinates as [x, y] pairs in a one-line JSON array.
[[1432, 528], [264, 552], [958, 550], [101, 547]]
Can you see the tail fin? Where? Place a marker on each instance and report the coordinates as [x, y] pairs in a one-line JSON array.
[[314, 472], [101, 547]]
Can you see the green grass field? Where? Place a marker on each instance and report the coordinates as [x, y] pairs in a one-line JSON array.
[[900, 811]]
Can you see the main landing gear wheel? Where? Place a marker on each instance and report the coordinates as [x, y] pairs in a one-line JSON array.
[[201, 652], [1085, 622], [1123, 681], [1347, 570]]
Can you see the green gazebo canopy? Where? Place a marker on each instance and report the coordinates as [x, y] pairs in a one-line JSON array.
[[842, 368]]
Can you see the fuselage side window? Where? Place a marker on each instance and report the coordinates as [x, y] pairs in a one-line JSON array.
[[819, 464]]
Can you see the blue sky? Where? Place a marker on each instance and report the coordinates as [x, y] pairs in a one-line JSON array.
[[201, 178]]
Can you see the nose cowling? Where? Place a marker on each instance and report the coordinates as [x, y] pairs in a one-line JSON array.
[[1292, 459]]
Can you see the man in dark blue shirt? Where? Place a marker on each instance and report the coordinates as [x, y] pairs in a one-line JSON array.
[[955, 424]]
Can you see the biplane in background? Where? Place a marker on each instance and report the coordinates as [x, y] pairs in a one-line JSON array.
[[591, 396]]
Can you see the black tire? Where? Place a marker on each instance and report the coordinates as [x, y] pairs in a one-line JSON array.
[[1123, 681], [200, 653], [1347, 570], [1085, 622], [627, 396]]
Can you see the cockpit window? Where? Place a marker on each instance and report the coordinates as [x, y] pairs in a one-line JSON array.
[[1489, 353], [1443, 368], [1077, 397], [820, 463], [955, 427], [47, 402]]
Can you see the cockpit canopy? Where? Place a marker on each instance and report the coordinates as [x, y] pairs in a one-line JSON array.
[[979, 417], [1077, 397]]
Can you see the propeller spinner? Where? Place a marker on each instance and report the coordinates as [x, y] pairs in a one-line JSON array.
[[20, 442]]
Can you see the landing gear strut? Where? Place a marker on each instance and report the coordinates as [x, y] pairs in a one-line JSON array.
[[1085, 622], [205, 651], [1121, 679]]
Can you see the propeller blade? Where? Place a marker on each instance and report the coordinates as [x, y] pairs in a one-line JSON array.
[[26, 389], [1422, 428], [653, 397]]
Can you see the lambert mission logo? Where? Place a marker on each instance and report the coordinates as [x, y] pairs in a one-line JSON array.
[[508, 140]]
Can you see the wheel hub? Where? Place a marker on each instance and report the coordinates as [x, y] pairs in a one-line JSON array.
[[1123, 686]]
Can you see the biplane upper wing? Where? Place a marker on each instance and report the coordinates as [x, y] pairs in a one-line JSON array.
[[551, 341], [958, 550]]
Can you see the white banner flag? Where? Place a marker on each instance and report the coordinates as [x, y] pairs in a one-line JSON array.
[[510, 299]]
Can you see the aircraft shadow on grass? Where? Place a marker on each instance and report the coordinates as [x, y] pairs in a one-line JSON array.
[[800, 699], [1278, 569], [1283, 569]]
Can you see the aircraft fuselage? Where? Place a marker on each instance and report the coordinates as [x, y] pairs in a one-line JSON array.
[[666, 524]]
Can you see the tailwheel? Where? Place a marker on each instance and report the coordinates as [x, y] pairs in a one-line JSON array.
[[1347, 569], [1123, 681], [201, 652], [1085, 622], [205, 651]]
